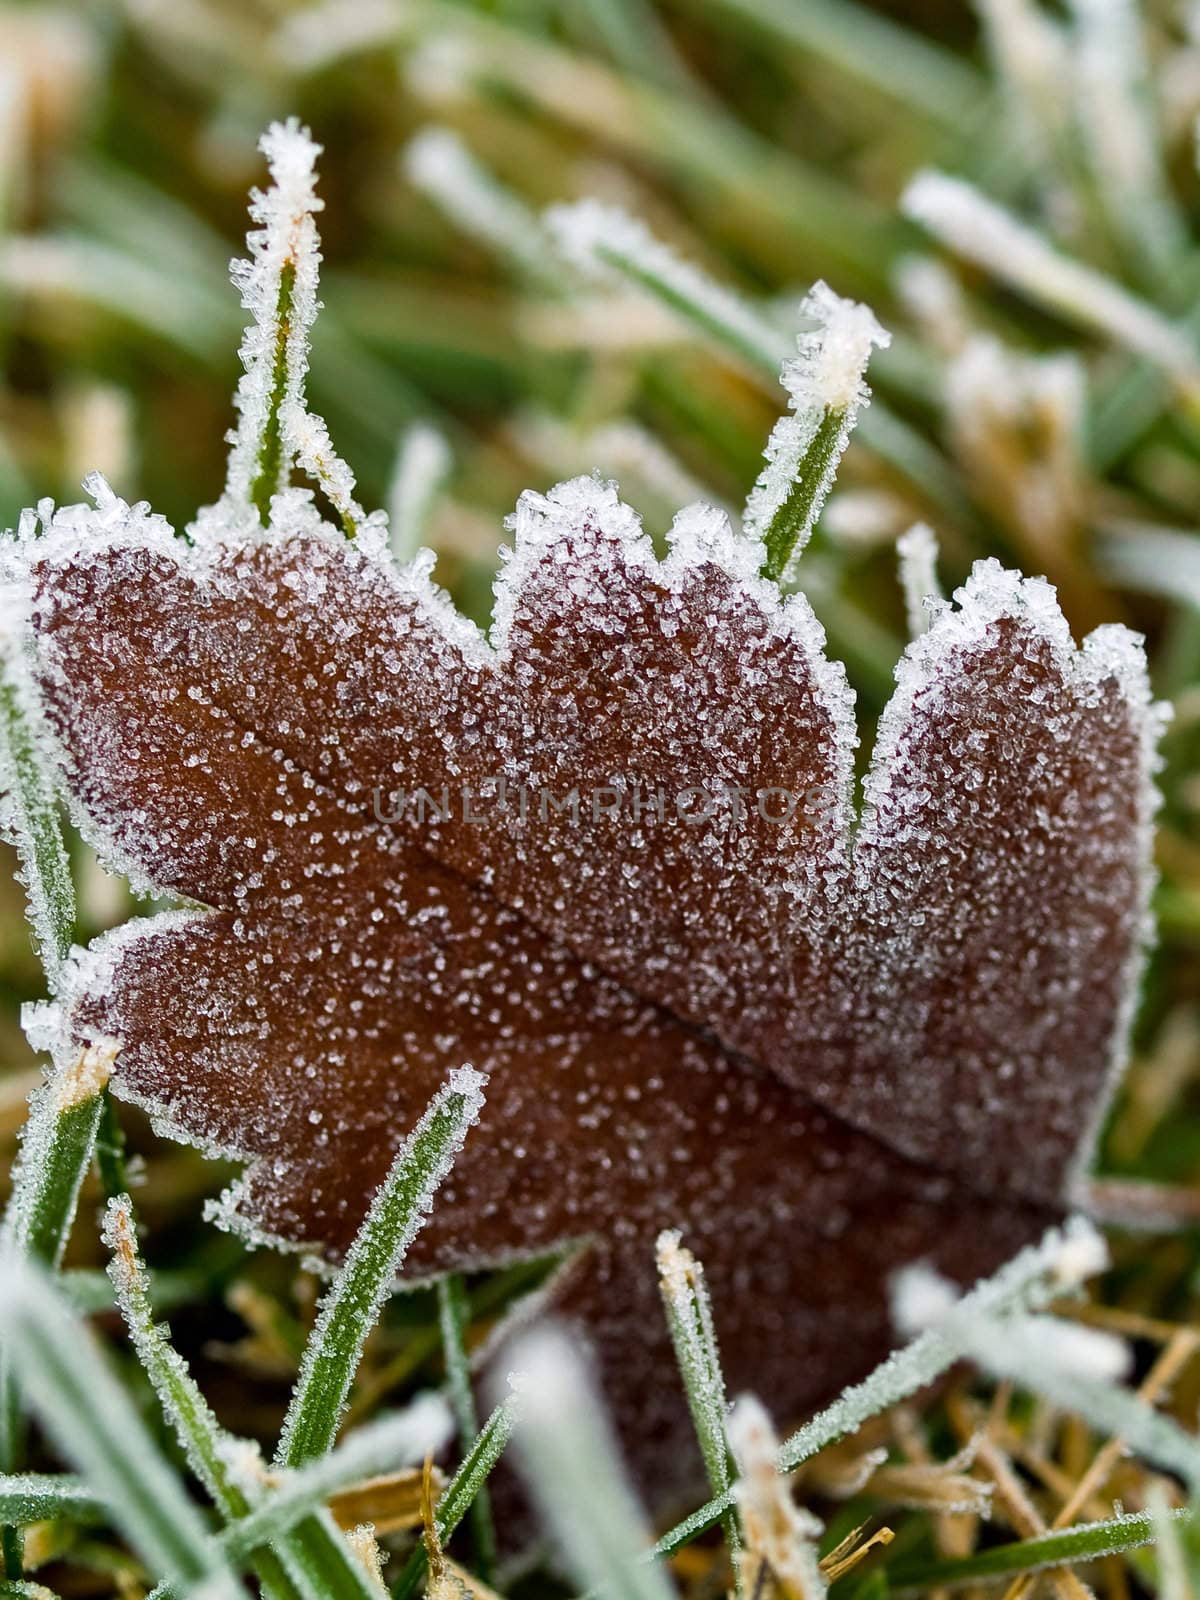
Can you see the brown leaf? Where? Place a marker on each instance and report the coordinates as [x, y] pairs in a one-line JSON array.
[[820, 1053]]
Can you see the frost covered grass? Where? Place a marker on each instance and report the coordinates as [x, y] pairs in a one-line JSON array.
[[558, 239]]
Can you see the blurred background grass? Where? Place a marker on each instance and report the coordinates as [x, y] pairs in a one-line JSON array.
[[769, 141]]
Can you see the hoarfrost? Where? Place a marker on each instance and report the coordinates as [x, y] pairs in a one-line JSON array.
[[278, 284], [1075, 1367], [286, 242], [813, 1044], [826, 390], [918, 553]]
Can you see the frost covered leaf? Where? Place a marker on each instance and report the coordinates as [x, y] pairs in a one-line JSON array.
[[608, 856], [234, 719]]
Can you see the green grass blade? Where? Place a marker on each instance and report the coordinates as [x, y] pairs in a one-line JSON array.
[[826, 390], [205, 1443], [30, 820], [791, 524], [689, 1318], [1064, 1258], [95, 1426], [110, 1149], [1029, 1351], [321, 1564], [353, 1303], [369, 1451], [605, 242], [56, 1149], [570, 1462], [454, 1316], [40, 1497], [1089, 1542], [460, 1492], [270, 463], [423, 464]]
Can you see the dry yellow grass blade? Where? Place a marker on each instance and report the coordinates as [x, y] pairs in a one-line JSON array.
[[391, 1504], [846, 1556], [1179, 1350]]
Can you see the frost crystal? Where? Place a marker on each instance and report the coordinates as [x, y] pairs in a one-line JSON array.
[[918, 552], [826, 390], [279, 288], [350, 963], [278, 284]]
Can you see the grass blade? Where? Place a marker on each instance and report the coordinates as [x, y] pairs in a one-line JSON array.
[[321, 1564], [40, 1497], [1088, 1542], [826, 390], [1064, 1258], [206, 1445], [352, 1305], [423, 464], [460, 1492], [370, 1451], [569, 1461], [94, 1425], [983, 232], [454, 1316], [1029, 1351], [689, 1317], [57, 1147], [204, 1442], [30, 820], [604, 242]]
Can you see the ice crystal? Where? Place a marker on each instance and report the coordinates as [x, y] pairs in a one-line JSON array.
[[918, 552], [279, 288]]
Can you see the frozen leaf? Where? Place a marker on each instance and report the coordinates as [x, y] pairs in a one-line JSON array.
[[232, 718], [608, 856]]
